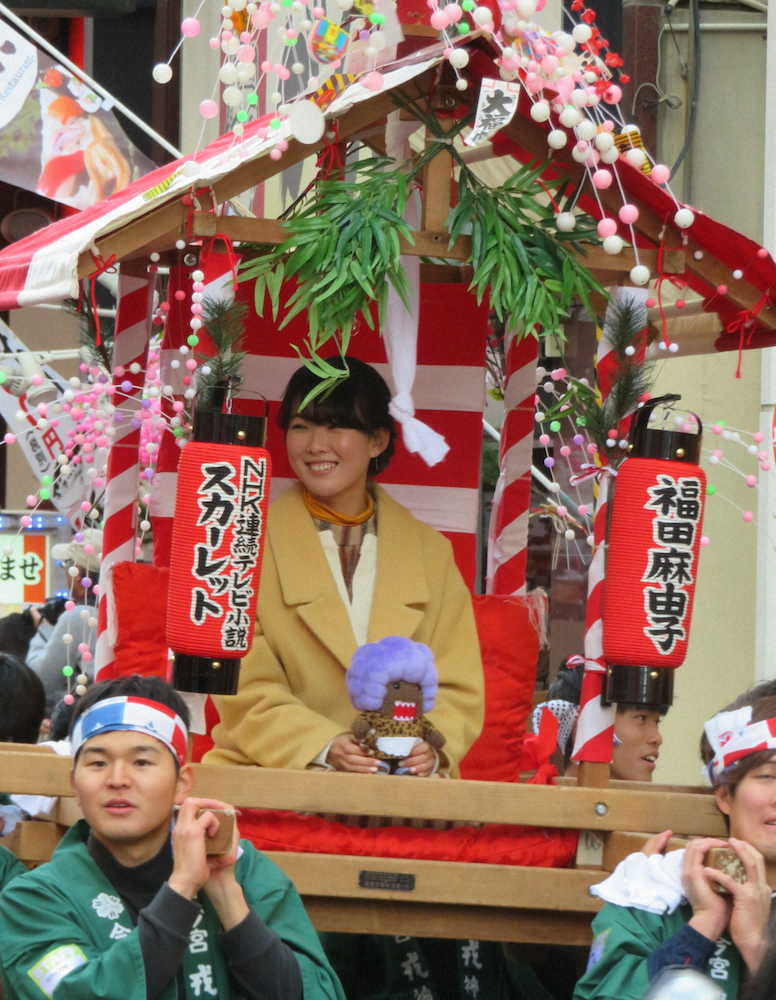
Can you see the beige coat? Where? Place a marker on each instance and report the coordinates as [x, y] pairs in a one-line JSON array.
[[293, 700]]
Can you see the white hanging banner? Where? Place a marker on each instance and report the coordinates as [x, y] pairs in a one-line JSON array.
[[400, 329], [495, 109], [41, 445]]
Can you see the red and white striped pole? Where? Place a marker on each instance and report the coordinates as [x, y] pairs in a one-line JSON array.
[[130, 354], [161, 507], [508, 531], [595, 726]]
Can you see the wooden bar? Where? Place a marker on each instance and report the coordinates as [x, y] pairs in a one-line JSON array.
[[607, 809], [430, 243], [440, 881], [427, 920]]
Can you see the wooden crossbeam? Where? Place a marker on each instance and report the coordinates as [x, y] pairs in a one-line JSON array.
[[564, 889], [427, 243], [448, 921], [567, 807]]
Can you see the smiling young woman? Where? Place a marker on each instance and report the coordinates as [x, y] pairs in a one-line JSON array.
[[345, 565]]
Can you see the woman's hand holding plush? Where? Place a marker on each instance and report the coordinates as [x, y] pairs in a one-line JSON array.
[[345, 754]]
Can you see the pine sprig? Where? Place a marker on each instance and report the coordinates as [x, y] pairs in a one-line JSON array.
[[633, 377], [225, 323]]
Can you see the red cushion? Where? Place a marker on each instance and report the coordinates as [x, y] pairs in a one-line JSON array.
[[510, 648], [497, 844]]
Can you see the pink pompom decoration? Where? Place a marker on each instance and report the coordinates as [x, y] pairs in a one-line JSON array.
[[208, 109], [628, 214], [747, 516], [454, 12], [660, 173], [25, 520], [190, 27], [246, 53], [213, 43], [606, 227], [613, 94], [439, 20], [374, 81], [602, 179], [275, 154], [10, 438]]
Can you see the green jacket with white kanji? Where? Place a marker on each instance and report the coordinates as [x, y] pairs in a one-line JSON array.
[[66, 935], [624, 937]]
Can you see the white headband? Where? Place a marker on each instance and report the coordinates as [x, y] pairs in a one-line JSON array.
[[733, 736], [136, 714]]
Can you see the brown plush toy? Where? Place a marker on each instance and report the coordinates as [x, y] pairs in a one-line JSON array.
[[393, 682]]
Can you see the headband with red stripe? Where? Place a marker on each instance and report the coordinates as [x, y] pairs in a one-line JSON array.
[[733, 736], [136, 714]]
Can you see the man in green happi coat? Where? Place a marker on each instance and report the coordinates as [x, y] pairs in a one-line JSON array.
[[127, 909], [675, 910], [9, 867]]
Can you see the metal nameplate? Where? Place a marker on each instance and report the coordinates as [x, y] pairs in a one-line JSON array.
[[391, 881]]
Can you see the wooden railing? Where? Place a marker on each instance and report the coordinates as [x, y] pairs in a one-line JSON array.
[[425, 898]]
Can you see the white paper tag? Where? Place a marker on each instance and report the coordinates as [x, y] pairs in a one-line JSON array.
[[495, 109]]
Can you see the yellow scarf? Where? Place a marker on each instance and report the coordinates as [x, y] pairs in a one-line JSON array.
[[323, 513]]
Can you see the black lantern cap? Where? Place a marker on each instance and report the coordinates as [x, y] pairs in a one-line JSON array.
[[205, 674], [650, 687], [654, 442], [229, 428]]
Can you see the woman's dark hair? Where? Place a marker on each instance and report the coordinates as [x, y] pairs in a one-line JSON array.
[[359, 401], [152, 688], [762, 698], [22, 701]]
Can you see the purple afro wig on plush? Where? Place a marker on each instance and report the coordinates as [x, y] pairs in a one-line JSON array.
[[394, 658]]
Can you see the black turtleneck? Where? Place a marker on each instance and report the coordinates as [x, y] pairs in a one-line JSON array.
[[262, 966]]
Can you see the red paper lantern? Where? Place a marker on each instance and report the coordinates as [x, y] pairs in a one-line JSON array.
[[653, 541], [217, 545]]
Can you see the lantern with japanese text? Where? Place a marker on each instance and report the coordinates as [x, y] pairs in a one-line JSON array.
[[653, 540], [217, 544]]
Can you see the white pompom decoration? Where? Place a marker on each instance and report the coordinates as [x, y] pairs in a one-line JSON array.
[[458, 58], [570, 116], [639, 274], [636, 157], [565, 221], [162, 73], [582, 33], [585, 129], [684, 218], [557, 139], [540, 111], [613, 244]]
